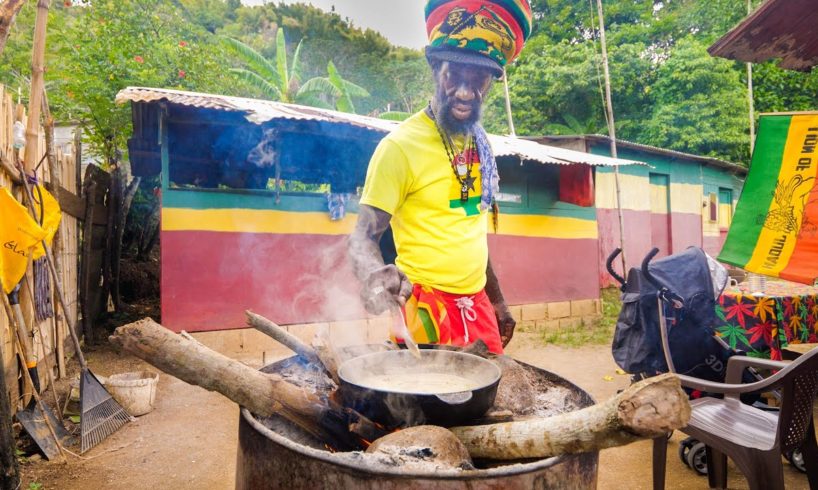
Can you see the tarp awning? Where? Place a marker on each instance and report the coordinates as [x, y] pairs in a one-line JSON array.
[[261, 111]]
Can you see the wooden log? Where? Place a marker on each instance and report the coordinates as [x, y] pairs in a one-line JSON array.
[[645, 410], [261, 393], [282, 336]]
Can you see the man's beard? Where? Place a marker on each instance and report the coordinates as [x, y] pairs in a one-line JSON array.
[[451, 124]]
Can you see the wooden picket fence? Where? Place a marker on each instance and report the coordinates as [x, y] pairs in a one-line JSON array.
[[55, 344]]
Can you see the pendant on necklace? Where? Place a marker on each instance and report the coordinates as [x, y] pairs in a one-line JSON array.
[[464, 193], [461, 169]]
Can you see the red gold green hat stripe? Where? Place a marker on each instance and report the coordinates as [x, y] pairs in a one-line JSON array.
[[438, 16], [519, 9]]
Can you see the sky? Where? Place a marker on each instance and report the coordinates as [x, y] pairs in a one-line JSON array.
[[400, 21]]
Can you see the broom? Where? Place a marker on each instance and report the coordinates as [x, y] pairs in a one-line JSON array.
[[100, 414]]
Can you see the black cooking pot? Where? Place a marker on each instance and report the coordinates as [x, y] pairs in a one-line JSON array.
[[402, 407]]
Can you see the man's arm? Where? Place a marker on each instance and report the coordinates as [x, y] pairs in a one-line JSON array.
[[505, 322], [383, 285]]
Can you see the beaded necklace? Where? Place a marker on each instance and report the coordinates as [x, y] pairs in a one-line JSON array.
[[461, 162]]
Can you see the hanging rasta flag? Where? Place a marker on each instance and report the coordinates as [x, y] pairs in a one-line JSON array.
[[775, 227]]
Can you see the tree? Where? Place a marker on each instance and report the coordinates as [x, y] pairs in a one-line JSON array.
[[282, 81], [700, 105], [107, 45]]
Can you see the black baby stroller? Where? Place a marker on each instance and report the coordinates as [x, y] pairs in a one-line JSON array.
[[686, 285]]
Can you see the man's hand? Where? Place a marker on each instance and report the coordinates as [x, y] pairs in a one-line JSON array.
[[385, 287], [505, 322]]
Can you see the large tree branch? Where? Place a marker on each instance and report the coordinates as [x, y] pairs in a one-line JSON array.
[[8, 11]]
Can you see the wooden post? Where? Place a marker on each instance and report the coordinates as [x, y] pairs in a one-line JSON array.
[[90, 195], [55, 171], [37, 82], [511, 130], [609, 113], [8, 11], [750, 94], [126, 198], [9, 469]]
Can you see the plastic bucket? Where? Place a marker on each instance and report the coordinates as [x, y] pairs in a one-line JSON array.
[[135, 391]]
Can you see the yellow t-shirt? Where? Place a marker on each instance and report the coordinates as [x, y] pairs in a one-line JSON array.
[[441, 242]]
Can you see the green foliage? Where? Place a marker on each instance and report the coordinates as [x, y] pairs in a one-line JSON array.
[[701, 105], [108, 45], [278, 82]]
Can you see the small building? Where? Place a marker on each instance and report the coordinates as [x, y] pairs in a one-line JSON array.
[[258, 198], [677, 201]]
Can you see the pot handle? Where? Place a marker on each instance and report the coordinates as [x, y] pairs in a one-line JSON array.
[[458, 398]]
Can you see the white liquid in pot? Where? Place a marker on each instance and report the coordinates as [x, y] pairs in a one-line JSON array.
[[420, 383]]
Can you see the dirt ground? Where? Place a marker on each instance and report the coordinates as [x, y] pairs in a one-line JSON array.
[[190, 439]]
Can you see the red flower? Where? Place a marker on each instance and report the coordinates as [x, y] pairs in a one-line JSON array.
[[67, 3], [138, 59], [181, 73], [182, 44]]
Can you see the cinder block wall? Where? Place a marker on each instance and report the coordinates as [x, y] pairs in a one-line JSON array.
[[249, 342]]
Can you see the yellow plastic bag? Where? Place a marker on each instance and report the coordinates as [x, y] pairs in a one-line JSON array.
[[49, 211], [19, 233]]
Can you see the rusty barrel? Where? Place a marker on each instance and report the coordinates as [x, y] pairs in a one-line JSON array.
[[268, 459]]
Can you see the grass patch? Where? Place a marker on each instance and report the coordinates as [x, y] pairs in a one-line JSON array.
[[597, 332]]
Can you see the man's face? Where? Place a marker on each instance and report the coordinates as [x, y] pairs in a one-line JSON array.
[[460, 93]]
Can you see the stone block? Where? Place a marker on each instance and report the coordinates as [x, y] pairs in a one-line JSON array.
[[548, 326], [307, 331], [378, 329], [516, 312], [526, 326], [570, 323], [534, 312], [351, 332], [559, 310], [583, 308]]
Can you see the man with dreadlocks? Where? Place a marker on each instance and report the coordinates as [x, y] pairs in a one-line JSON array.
[[434, 179]]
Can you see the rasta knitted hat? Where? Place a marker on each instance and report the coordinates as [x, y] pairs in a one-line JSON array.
[[487, 33]]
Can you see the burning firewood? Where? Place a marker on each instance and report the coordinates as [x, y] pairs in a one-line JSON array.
[[261, 393], [645, 410], [284, 337]]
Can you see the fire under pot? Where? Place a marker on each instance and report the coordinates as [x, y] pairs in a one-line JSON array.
[[273, 453]]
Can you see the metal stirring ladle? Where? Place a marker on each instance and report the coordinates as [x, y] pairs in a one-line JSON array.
[[399, 327], [411, 345]]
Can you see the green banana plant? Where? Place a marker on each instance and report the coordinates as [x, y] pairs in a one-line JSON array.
[[281, 82]]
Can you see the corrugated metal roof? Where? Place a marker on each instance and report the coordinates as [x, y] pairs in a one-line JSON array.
[[261, 111], [785, 29], [599, 138]]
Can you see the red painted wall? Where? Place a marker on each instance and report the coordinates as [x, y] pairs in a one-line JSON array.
[[687, 231], [637, 240], [712, 244], [540, 270], [209, 279]]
